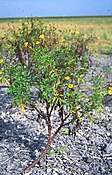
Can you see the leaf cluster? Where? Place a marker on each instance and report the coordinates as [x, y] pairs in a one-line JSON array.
[[55, 62]]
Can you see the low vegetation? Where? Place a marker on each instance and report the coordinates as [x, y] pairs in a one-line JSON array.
[[99, 27]]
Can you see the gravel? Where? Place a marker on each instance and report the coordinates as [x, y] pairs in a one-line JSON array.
[[22, 139]]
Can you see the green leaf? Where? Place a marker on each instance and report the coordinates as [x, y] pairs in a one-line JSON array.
[[66, 132], [51, 152]]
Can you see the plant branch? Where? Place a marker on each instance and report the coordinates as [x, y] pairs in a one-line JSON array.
[[39, 112], [45, 150], [52, 108], [4, 86], [49, 125], [66, 117]]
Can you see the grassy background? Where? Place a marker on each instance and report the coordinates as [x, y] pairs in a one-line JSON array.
[[100, 27]]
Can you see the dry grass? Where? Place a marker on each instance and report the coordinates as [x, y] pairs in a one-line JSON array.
[[5, 26], [102, 32]]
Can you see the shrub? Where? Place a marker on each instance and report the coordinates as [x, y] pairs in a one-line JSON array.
[[56, 62]]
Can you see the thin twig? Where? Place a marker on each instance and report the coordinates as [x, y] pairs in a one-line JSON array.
[[39, 112], [3, 86], [52, 108]]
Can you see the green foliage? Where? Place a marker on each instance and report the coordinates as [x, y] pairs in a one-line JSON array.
[[53, 61], [66, 132], [51, 152], [60, 150]]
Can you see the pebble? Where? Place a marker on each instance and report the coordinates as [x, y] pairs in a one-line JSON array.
[[22, 140]]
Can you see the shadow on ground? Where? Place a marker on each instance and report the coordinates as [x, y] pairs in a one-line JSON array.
[[18, 133]]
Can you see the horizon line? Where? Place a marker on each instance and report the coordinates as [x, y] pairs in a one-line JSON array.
[[56, 16]]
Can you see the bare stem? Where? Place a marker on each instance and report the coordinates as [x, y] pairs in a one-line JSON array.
[[4, 86], [52, 108], [39, 112], [51, 136], [45, 150]]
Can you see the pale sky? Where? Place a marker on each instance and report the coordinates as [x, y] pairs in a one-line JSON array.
[[22, 8]]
